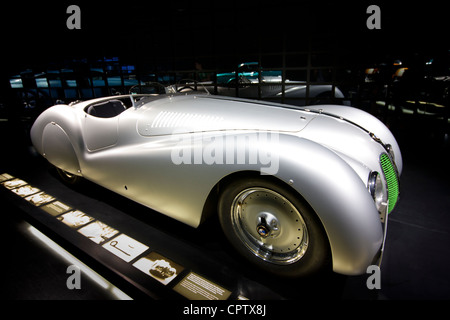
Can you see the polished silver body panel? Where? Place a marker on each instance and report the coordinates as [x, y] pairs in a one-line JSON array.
[[163, 152]]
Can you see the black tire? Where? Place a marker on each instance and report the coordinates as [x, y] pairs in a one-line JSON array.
[[69, 178], [273, 227]]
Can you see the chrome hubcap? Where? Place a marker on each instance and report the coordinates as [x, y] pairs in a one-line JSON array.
[[269, 225]]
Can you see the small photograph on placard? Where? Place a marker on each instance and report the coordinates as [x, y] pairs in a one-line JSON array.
[[56, 208], [40, 198], [98, 231], [25, 190], [14, 183], [125, 247], [75, 219], [159, 267]]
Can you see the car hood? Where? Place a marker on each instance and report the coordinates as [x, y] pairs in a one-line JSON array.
[[368, 125], [346, 130], [187, 114]]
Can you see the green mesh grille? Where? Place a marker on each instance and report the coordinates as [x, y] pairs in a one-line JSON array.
[[391, 178]]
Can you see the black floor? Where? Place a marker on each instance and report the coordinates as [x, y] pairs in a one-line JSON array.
[[416, 263]]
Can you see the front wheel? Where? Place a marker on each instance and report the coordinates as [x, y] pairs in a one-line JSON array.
[[273, 227]]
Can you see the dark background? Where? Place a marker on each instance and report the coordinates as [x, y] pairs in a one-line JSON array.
[[166, 39], [299, 37], [145, 29]]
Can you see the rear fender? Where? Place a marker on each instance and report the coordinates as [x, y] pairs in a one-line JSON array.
[[56, 136], [58, 149]]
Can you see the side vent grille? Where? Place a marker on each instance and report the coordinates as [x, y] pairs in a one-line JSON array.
[[392, 180]]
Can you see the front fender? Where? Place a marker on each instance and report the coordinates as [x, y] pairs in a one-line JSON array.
[[333, 189], [338, 196]]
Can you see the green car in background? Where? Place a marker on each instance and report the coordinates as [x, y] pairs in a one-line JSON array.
[[249, 71]]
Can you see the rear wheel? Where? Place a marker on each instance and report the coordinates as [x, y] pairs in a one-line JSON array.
[[273, 227], [68, 177]]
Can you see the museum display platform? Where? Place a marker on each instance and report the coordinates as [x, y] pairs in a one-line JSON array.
[[160, 265]]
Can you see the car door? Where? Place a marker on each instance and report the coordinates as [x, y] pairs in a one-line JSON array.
[[101, 124]]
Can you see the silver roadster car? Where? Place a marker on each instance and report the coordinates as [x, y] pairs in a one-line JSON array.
[[296, 189]]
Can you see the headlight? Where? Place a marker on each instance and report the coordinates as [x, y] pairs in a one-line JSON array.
[[378, 191]]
